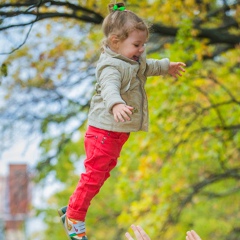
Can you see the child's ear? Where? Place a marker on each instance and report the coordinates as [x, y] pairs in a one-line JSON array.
[[114, 42]]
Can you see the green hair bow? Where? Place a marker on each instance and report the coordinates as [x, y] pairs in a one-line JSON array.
[[117, 8]]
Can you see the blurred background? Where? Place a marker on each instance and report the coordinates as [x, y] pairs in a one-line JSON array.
[[183, 174]]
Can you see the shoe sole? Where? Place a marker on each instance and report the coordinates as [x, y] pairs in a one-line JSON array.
[[62, 211], [62, 220]]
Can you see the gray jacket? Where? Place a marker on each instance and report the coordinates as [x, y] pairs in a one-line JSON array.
[[122, 80]]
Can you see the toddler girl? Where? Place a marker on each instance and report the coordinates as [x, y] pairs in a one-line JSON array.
[[119, 107]]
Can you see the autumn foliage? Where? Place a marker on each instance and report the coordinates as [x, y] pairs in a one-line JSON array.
[[185, 172]]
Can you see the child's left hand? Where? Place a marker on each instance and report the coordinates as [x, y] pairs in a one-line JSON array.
[[175, 69]]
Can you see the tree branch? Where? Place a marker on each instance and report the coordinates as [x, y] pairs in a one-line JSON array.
[[196, 188], [215, 35]]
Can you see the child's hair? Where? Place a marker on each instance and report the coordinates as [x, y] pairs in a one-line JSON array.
[[121, 22]]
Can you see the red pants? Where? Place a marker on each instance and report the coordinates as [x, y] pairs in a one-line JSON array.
[[102, 149]]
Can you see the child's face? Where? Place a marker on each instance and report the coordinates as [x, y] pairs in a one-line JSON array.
[[133, 46]]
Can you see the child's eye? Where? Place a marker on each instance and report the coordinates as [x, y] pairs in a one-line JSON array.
[[139, 45]]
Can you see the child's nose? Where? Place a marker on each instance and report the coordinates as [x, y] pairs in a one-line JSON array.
[[142, 49]]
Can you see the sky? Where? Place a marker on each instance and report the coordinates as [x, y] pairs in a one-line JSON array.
[[25, 151], [20, 152]]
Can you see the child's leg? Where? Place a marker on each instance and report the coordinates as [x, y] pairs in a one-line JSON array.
[[102, 150]]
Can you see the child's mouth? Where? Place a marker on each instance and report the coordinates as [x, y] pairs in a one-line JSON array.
[[135, 58]]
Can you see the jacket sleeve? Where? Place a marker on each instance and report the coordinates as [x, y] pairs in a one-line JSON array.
[[157, 67], [109, 80]]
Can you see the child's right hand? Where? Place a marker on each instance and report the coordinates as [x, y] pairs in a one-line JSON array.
[[121, 112]]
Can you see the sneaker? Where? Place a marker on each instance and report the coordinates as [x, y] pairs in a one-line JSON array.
[[62, 211], [75, 230]]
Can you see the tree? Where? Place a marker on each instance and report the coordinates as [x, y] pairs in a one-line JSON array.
[[167, 180]]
